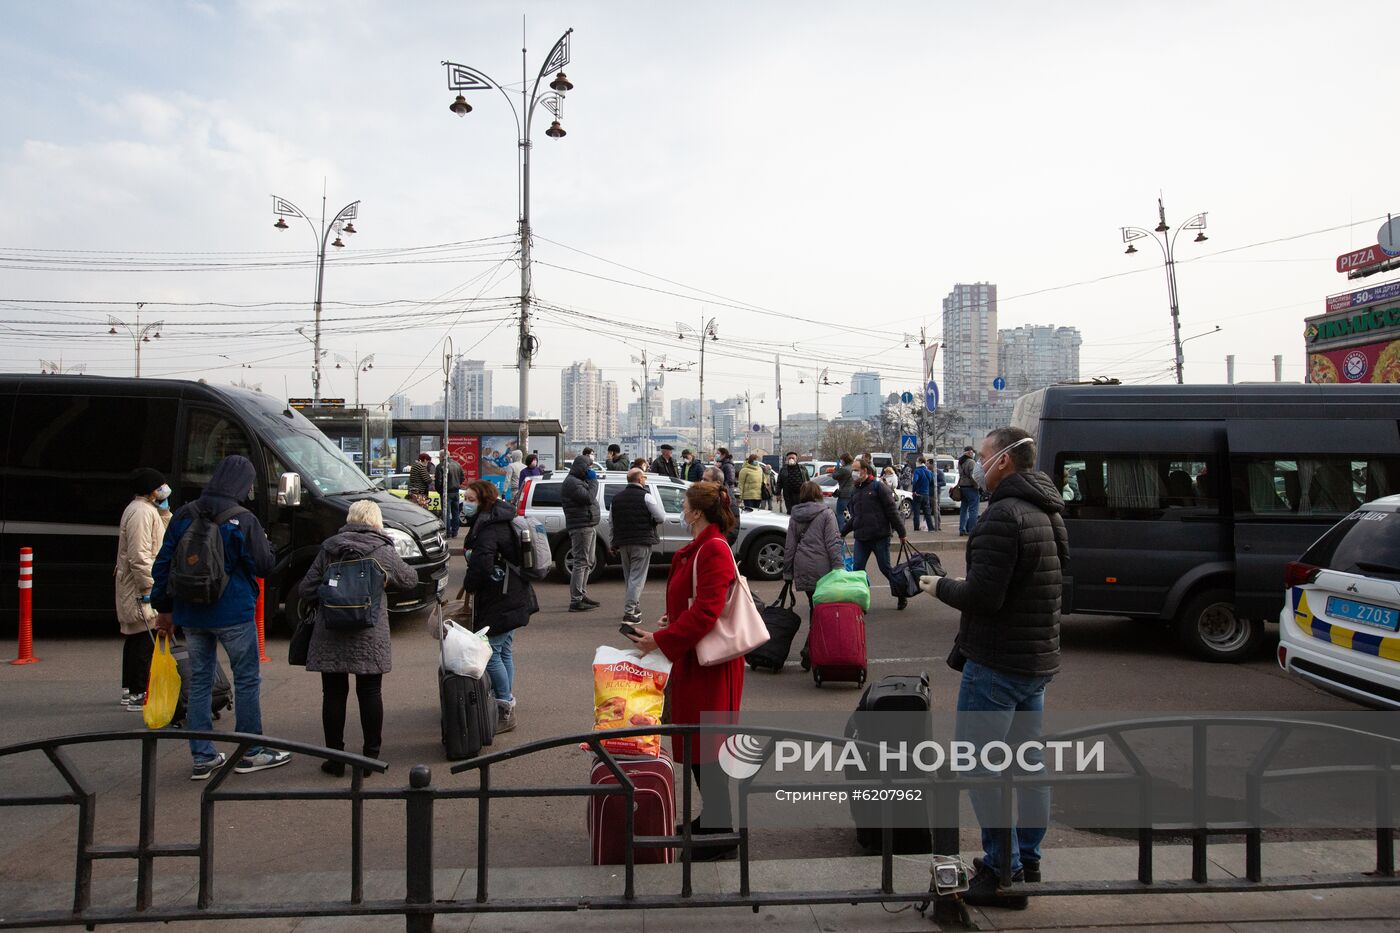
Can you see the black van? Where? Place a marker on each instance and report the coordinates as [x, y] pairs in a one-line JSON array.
[[69, 443], [1185, 503]]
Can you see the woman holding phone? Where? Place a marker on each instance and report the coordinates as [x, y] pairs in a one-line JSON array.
[[701, 574]]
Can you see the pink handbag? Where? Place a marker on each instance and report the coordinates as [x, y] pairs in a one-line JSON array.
[[739, 628]]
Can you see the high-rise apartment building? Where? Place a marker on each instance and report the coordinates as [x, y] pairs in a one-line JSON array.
[[471, 389], [863, 401], [1035, 356], [400, 406], [969, 345], [588, 405]]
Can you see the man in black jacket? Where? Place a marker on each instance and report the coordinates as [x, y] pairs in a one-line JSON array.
[[1008, 644], [790, 480], [665, 464], [616, 462], [635, 516], [580, 500], [845, 485], [874, 516], [448, 480], [691, 468]]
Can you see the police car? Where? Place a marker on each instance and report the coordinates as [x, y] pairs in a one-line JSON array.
[[1340, 625]]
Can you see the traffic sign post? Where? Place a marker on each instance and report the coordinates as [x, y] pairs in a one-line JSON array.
[[908, 443], [931, 397], [998, 383], [907, 397]]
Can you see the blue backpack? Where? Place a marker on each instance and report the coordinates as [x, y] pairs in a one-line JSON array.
[[351, 594]]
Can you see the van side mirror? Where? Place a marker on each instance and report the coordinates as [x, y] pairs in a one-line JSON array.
[[289, 490]]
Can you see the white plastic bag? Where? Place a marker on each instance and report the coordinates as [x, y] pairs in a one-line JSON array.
[[463, 652]]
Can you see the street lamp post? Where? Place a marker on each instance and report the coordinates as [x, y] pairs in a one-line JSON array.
[[707, 329], [56, 368], [342, 222], [462, 78], [138, 332], [362, 364], [1168, 246]]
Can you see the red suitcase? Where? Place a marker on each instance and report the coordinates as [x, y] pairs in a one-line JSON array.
[[655, 813], [837, 645]]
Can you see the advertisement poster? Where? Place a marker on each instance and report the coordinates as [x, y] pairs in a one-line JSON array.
[[465, 449], [495, 455], [1372, 362], [384, 455]]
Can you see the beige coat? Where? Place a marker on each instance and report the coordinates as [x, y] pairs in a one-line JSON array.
[[142, 532]]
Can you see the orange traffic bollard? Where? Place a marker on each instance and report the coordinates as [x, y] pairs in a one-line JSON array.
[[262, 647], [26, 607]]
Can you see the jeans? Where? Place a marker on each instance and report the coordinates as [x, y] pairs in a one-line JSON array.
[[501, 667], [922, 509], [842, 514], [335, 694], [1008, 709], [967, 516], [636, 561], [581, 542], [241, 645], [881, 550], [751, 504], [452, 511]]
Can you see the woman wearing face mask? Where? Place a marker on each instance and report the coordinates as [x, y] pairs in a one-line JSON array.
[[503, 599], [790, 480], [138, 543], [700, 577], [751, 483]]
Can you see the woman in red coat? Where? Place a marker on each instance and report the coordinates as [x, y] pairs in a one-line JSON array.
[[697, 690]]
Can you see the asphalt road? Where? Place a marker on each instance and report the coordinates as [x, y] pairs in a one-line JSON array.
[[1108, 665]]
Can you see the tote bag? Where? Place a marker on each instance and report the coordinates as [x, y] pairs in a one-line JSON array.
[[739, 628]]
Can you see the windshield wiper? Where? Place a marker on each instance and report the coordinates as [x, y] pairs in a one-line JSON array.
[[1377, 568]]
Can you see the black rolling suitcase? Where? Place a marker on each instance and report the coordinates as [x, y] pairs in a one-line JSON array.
[[468, 712], [897, 693], [221, 698], [782, 623]]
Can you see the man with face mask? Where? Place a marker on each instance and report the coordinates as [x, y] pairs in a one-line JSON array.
[[874, 517], [1008, 644], [691, 470], [228, 619], [790, 480], [579, 494]]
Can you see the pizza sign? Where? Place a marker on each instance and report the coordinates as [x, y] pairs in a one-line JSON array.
[[1372, 363], [1361, 258]]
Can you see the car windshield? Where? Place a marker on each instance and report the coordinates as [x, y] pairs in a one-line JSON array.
[[311, 454]]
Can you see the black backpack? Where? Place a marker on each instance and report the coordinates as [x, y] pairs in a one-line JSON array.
[[197, 571], [350, 594]]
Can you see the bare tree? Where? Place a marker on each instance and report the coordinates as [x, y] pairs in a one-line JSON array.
[[844, 437], [946, 421]]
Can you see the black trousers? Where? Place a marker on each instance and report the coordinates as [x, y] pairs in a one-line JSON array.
[[136, 661], [335, 694], [714, 794]]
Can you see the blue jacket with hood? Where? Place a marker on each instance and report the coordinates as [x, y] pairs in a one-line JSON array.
[[247, 554]]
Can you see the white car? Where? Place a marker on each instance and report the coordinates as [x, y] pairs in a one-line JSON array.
[[1340, 624], [759, 542]]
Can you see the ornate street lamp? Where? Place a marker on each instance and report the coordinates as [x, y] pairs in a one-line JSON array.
[[1168, 246]]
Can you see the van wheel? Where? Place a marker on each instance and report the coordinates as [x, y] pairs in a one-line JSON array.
[[564, 562], [1211, 628]]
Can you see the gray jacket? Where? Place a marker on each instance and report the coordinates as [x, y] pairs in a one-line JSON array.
[[813, 545], [367, 650]]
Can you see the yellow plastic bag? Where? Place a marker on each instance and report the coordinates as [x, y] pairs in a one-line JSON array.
[[163, 689]]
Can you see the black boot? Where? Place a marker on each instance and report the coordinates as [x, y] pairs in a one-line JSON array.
[[334, 768]]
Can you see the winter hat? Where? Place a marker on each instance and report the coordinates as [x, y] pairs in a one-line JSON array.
[[145, 481]]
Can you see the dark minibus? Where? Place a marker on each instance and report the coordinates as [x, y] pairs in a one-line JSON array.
[[69, 443], [1185, 503]]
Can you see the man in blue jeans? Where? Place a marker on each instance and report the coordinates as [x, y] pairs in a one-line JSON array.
[[1008, 646], [874, 517], [921, 484], [227, 618], [970, 489]]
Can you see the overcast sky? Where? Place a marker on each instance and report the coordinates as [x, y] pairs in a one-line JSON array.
[[831, 168]]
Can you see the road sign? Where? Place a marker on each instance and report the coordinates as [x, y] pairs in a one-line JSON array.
[[908, 443], [907, 397], [757, 428], [998, 383], [931, 396]]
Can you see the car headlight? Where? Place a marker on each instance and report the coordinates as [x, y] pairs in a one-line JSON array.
[[404, 543]]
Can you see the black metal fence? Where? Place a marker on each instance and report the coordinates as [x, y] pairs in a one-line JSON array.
[[421, 903]]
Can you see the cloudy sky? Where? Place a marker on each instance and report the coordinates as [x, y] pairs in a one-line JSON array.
[[816, 176]]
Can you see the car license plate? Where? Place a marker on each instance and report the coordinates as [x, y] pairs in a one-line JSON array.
[[442, 583], [1364, 613]]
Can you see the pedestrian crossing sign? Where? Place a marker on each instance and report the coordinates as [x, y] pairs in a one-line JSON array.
[[908, 444]]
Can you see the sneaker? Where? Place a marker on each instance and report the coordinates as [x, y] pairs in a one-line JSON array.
[[579, 605], [505, 716], [267, 758], [1031, 868], [126, 696], [204, 769], [135, 702], [592, 603], [903, 601], [985, 891], [632, 618]]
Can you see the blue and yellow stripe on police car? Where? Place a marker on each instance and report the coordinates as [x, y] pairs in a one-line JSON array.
[[1365, 642]]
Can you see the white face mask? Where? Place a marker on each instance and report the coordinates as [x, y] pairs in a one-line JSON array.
[[993, 458], [163, 492]]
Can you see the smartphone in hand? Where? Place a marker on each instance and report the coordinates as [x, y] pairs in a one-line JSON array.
[[629, 630]]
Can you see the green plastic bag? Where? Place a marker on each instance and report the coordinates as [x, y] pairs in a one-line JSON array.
[[844, 586], [163, 689]]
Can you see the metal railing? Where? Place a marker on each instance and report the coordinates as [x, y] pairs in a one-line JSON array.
[[420, 904]]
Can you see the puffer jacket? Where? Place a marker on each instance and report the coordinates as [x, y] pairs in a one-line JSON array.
[[874, 513], [751, 481], [726, 467], [845, 481], [366, 650], [1017, 555], [580, 496], [247, 554], [504, 599], [142, 531], [813, 546], [790, 480]]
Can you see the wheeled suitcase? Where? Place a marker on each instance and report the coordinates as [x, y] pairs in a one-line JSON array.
[[653, 815], [782, 623], [468, 713], [837, 644], [221, 697], [907, 695]]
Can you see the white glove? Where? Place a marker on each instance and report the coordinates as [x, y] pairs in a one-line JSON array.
[[929, 584]]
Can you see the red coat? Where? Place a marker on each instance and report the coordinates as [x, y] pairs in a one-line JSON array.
[[696, 689]]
